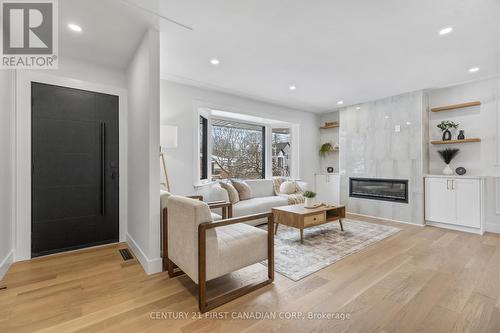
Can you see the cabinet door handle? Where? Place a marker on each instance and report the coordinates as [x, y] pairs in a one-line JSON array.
[[447, 184], [453, 184]]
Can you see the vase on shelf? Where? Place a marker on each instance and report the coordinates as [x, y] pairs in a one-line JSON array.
[[446, 135], [461, 135], [447, 170]]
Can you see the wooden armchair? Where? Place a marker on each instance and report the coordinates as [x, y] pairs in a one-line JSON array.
[[205, 249]]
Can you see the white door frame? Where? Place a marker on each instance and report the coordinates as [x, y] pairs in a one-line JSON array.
[[22, 151]]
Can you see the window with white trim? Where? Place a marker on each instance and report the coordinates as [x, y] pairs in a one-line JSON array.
[[244, 147]]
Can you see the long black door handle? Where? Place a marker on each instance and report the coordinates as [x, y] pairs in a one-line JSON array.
[[103, 169]]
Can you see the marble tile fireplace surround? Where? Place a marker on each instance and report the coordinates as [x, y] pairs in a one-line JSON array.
[[395, 190], [385, 139]]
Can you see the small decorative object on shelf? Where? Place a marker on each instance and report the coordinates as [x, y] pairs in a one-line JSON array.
[[327, 148], [461, 135], [460, 171], [309, 196], [329, 169], [447, 155], [445, 126]]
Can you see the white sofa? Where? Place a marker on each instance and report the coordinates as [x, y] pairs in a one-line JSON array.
[[262, 201]]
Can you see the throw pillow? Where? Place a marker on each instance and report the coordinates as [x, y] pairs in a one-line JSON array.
[[288, 187], [244, 191], [277, 183], [234, 197]]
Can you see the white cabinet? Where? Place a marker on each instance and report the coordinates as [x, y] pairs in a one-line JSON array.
[[455, 203], [468, 199], [327, 187]]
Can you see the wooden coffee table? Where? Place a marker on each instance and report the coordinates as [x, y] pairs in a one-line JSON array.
[[296, 216]]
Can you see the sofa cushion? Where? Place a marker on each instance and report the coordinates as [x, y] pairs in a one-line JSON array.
[[231, 191], [261, 187], [258, 205], [288, 187], [295, 198], [214, 192], [244, 191]]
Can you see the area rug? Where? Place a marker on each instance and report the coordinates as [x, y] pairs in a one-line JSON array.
[[323, 245]]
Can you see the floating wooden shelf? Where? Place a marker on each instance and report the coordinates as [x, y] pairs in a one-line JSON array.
[[455, 106], [450, 142], [331, 126]]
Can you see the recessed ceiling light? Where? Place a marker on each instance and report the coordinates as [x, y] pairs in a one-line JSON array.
[[473, 69], [75, 27], [215, 62], [358, 107], [386, 117], [340, 102], [292, 87], [408, 123], [445, 31]]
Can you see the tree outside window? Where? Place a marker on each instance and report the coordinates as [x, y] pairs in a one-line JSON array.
[[237, 150]]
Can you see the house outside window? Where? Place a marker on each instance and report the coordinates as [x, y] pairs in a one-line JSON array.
[[281, 152]]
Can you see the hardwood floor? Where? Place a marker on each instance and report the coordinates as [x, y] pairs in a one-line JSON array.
[[420, 280]]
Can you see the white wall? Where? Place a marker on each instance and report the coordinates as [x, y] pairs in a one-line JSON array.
[[143, 155], [179, 104], [89, 72], [6, 200], [480, 121]]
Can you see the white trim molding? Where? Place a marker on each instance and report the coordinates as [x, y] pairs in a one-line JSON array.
[[22, 152], [151, 266], [5, 263]]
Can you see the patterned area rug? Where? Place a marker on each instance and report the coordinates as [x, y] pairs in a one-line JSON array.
[[323, 245]]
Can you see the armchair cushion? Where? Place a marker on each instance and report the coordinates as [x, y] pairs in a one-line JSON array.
[[233, 247], [228, 248]]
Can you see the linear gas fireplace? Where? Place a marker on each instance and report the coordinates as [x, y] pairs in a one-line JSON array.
[[379, 189]]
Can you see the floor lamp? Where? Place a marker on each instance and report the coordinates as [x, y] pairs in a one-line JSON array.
[[168, 140]]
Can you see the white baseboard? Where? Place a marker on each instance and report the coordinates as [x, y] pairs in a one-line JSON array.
[[493, 227], [5, 264], [454, 227], [385, 219], [151, 266]]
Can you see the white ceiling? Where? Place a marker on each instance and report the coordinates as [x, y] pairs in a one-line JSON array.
[[112, 30], [355, 51]]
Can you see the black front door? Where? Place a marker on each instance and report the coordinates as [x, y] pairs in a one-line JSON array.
[[75, 169]]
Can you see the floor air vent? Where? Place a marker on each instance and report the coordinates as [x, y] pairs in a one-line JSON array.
[[126, 255]]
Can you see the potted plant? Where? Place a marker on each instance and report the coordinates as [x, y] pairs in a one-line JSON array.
[[309, 196], [445, 127], [326, 148], [447, 155]]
